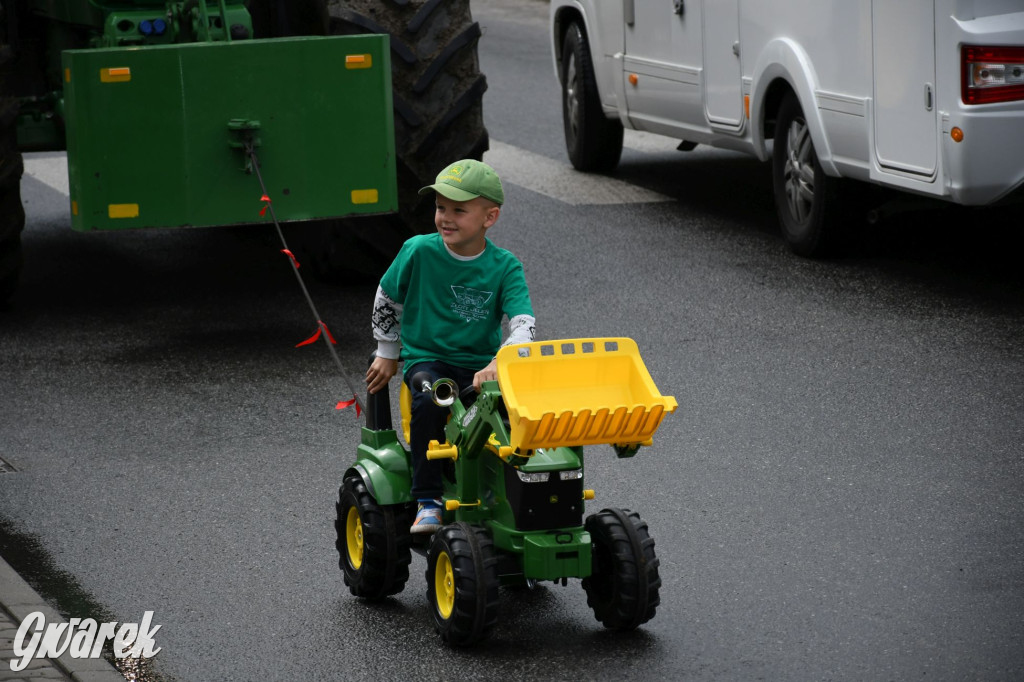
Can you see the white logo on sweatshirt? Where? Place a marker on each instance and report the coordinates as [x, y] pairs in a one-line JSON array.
[[469, 303]]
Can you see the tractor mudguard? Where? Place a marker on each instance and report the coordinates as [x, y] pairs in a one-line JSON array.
[[384, 466]]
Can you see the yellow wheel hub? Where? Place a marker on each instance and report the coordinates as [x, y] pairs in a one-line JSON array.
[[354, 538], [444, 585]]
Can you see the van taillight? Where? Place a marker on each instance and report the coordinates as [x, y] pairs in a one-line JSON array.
[[991, 74]]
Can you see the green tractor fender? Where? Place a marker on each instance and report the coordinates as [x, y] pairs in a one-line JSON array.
[[384, 466]]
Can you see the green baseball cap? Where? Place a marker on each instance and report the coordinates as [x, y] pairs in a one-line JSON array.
[[468, 179]]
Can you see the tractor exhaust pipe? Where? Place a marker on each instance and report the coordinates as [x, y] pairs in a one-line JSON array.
[[443, 391]]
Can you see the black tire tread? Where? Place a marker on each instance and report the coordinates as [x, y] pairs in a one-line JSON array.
[[438, 101], [386, 542], [628, 596], [475, 566]]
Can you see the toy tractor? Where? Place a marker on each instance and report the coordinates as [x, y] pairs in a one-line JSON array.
[[514, 495]]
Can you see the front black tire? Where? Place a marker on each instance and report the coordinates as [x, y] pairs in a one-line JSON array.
[[12, 213], [806, 199], [462, 583], [623, 586], [373, 542], [593, 141]]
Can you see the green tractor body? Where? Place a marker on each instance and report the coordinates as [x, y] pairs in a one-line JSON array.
[[514, 493], [532, 505]]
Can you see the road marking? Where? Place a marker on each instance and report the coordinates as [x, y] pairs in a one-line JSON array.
[[49, 169], [533, 171], [649, 143], [561, 181]]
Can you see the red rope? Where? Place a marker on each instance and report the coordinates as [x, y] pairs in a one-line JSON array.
[[321, 328]]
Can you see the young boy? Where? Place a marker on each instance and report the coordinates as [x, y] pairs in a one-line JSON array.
[[439, 307]]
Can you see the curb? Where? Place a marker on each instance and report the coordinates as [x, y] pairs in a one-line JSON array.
[[18, 599]]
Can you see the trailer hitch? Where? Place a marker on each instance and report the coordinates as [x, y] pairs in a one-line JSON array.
[[242, 135]]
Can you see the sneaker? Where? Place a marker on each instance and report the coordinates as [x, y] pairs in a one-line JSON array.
[[428, 518]]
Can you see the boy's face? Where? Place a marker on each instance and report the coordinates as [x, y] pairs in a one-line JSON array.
[[463, 224]]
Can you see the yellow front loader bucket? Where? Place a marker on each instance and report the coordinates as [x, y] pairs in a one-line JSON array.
[[575, 392]]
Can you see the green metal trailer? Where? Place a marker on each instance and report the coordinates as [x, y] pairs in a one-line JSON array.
[[349, 106]]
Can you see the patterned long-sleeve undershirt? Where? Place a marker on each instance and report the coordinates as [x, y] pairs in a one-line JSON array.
[[387, 325]]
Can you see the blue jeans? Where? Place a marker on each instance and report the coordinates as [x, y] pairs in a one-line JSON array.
[[427, 424]]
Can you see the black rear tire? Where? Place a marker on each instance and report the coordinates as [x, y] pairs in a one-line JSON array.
[[462, 583], [373, 542], [271, 18], [593, 141], [438, 92], [623, 586], [12, 213]]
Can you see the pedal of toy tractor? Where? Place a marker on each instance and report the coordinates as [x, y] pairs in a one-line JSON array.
[[574, 392]]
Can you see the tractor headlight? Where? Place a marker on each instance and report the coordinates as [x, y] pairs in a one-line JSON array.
[[571, 474], [533, 477]]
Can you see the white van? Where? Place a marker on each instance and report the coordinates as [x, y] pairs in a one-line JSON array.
[[922, 95]]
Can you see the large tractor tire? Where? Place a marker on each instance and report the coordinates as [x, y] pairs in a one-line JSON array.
[[437, 92], [12, 214]]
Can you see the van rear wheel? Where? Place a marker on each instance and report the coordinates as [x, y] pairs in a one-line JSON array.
[[593, 141], [806, 199]]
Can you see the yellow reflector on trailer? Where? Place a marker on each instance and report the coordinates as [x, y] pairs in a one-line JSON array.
[[119, 74], [364, 196], [123, 210], [358, 61]]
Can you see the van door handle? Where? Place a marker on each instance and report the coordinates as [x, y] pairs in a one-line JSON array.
[[627, 12], [929, 96]]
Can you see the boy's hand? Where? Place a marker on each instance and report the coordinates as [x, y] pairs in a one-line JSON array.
[[380, 373], [488, 373]]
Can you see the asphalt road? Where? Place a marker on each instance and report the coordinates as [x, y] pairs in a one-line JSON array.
[[840, 494]]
